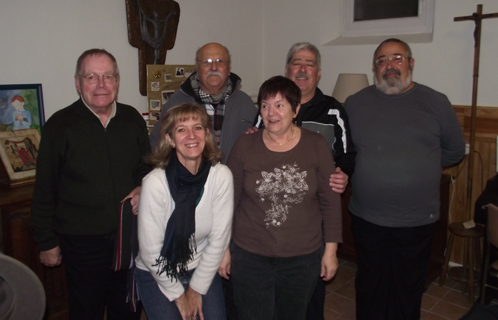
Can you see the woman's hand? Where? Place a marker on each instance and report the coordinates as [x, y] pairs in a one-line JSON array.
[[224, 269], [183, 305], [134, 195], [329, 261], [194, 299]]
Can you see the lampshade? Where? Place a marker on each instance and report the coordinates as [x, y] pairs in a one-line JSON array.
[[348, 84]]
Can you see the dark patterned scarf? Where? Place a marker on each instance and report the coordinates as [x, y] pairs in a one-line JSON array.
[[179, 242], [214, 104]]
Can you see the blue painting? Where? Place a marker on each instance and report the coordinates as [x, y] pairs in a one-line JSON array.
[[21, 107]]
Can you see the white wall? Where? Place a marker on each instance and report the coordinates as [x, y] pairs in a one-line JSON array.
[[41, 40], [445, 64]]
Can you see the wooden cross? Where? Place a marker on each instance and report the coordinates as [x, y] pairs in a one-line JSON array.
[[477, 17], [152, 26]]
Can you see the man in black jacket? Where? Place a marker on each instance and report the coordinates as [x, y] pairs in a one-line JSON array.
[[91, 158]]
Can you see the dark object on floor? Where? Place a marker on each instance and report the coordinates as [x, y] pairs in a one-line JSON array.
[[490, 266], [482, 312]]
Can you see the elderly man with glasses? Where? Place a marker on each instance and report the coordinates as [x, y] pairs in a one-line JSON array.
[[213, 86], [90, 160], [404, 134]]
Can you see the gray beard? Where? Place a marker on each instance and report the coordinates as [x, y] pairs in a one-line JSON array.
[[393, 85]]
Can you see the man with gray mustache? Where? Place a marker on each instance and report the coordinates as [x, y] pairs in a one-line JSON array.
[[213, 86], [323, 114], [404, 134]]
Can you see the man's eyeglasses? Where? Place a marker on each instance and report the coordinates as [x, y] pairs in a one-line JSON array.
[[94, 78], [209, 62], [398, 59]]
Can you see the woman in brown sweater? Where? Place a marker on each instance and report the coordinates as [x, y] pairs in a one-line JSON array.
[[284, 211]]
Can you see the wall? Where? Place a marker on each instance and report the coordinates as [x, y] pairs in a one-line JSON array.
[[41, 41]]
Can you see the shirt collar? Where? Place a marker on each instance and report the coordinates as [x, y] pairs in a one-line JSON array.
[[113, 112]]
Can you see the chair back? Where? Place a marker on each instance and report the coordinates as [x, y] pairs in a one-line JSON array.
[[492, 225]]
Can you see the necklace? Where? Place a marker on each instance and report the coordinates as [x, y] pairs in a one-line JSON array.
[[282, 144]]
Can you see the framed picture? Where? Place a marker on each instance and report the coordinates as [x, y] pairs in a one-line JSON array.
[[21, 107], [19, 150]]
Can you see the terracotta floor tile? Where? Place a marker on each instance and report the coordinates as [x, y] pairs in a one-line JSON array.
[[450, 283], [347, 290], [348, 315], [330, 314], [434, 290], [349, 264], [432, 316], [458, 298], [448, 310], [428, 302], [345, 274], [338, 303], [333, 285]]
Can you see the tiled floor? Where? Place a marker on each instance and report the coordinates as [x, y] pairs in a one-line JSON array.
[[438, 303]]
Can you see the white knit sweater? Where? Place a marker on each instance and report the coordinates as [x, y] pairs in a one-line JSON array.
[[213, 225]]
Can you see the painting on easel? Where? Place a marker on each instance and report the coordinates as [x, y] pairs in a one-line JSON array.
[[19, 150]]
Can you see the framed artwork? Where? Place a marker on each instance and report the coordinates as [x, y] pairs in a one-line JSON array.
[[21, 107], [19, 150]]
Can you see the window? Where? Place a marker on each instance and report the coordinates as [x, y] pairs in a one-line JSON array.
[[387, 17]]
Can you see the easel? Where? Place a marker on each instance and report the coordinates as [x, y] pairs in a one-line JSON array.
[[472, 235]]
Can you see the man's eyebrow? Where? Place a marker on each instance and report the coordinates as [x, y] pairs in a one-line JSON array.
[[394, 54], [299, 59]]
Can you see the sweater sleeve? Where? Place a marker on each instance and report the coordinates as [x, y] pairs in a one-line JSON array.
[[219, 237], [46, 187], [154, 211], [452, 142]]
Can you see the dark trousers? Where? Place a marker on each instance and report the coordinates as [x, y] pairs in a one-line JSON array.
[[392, 267], [315, 309], [231, 309], [92, 286], [268, 286], [316, 306]]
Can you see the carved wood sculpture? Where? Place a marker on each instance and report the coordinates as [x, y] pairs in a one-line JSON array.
[[152, 26]]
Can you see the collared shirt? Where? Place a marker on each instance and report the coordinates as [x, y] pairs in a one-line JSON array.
[[113, 112]]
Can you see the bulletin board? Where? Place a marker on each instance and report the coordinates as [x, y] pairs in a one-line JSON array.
[[162, 82]]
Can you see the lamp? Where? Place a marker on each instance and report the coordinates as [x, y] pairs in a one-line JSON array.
[[348, 84]]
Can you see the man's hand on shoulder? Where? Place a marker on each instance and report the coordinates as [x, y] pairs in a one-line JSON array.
[[338, 181], [251, 130]]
